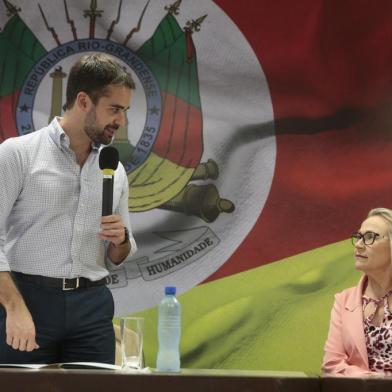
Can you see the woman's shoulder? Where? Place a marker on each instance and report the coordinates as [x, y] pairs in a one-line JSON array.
[[351, 293]]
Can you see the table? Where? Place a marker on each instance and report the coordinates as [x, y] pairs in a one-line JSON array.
[[189, 380]]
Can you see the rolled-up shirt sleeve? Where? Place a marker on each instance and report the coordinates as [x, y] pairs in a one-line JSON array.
[[11, 174]]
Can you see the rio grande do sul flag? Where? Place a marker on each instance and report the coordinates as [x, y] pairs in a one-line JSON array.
[[258, 130]]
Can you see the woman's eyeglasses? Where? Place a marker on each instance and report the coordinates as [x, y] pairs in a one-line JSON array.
[[367, 238]]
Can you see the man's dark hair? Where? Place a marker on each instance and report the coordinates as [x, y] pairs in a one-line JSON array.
[[93, 74]]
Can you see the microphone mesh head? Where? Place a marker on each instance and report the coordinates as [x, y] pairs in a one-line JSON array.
[[108, 158]]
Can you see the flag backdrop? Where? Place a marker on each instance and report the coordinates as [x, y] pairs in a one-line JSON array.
[[265, 139], [328, 72]]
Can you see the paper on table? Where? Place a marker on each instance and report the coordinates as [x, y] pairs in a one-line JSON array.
[[65, 365], [76, 365], [24, 365], [88, 365], [145, 370]]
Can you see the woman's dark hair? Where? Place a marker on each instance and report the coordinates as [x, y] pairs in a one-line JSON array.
[[93, 74]]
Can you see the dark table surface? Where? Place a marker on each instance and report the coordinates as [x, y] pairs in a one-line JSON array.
[[189, 380]]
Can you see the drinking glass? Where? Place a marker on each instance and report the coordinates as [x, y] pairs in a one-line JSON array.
[[132, 342]]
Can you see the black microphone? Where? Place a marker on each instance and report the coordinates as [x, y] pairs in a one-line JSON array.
[[108, 162]]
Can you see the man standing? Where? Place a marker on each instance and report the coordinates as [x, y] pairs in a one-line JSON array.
[[55, 306]]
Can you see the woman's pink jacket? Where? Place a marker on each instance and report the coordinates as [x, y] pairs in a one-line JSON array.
[[345, 348]]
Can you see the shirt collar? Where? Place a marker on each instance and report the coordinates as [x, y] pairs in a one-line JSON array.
[[61, 139], [57, 133]]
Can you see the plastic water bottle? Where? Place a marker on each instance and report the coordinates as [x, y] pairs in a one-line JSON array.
[[169, 332]]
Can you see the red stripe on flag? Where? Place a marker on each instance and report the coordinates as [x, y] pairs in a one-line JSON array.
[[7, 116], [328, 67], [180, 138]]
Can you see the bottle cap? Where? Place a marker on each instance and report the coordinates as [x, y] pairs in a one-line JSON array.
[[170, 290]]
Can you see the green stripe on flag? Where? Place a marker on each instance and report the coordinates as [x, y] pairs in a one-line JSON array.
[[167, 32], [19, 51]]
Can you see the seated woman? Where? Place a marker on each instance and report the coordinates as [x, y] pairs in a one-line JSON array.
[[359, 341]]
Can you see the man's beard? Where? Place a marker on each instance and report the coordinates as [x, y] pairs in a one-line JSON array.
[[95, 132]]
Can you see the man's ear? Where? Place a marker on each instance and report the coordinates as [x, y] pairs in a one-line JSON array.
[[83, 101]]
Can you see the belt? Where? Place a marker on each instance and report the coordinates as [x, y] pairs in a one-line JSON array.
[[64, 284]]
